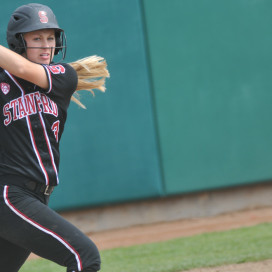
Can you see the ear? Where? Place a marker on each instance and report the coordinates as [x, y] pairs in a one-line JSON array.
[[21, 48], [58, 43]]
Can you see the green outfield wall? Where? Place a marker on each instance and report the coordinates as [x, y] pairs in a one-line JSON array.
[[211, 69], [188, 104]]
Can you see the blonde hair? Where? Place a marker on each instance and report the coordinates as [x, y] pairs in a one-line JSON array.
[[92, 72]]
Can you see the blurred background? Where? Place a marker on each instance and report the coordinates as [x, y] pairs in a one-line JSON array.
[[187, 107]]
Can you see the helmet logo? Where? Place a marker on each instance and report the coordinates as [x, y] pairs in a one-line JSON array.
[[5, 87], [43, 17]]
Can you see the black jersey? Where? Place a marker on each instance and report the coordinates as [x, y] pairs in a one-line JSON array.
[[32, 121]]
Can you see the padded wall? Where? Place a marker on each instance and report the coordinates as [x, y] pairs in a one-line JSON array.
[[211, 65]]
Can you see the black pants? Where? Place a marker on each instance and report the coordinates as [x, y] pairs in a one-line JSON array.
[[28, 225]]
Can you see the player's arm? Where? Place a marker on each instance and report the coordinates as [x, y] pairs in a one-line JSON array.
[[19, 66]]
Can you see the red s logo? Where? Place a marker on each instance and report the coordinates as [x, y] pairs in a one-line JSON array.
[[43, 17]]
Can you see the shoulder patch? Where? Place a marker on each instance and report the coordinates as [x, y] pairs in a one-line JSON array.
[[5, 87]]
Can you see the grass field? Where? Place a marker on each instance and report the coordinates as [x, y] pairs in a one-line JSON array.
[[211, 249]]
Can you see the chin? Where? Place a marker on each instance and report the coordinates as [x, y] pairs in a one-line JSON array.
[[46, 62]]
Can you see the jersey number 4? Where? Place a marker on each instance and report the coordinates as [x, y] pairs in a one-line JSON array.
[[55, 129]]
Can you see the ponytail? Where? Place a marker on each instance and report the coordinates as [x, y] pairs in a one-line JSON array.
[[92, 72]]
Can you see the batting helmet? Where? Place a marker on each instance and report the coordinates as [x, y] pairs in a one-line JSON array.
[[31, 17]]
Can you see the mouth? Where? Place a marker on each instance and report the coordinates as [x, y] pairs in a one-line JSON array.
[[45, 55]]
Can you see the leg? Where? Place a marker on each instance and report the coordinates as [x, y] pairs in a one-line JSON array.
[[31, 224], [12, 257]]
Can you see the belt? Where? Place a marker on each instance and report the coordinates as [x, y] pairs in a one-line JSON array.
[[39, 187], [20, 181]]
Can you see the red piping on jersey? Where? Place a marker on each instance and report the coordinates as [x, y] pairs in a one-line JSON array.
[[31, 132], [44, 128], [49, 79], [42, 228], [49, 147]]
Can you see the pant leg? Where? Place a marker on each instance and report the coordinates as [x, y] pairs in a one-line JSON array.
[[12, 257], [31, 224]]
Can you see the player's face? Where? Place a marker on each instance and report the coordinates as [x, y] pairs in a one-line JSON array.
[[40, 45]]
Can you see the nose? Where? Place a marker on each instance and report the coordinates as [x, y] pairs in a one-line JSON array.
[[45, 44]]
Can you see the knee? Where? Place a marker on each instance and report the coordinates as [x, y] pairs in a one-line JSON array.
[[92, 262], [94, 267], [88, 261]]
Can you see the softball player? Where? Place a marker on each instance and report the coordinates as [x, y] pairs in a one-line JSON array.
[[34, 96]]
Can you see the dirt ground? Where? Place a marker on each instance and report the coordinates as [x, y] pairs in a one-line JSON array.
[[169, 230]]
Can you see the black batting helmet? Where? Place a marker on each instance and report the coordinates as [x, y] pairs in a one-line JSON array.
[[31, 17]]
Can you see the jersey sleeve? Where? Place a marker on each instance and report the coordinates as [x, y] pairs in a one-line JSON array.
[[62, 79]]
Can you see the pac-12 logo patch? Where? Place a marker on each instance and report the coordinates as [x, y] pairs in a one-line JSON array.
[[5, 87]]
